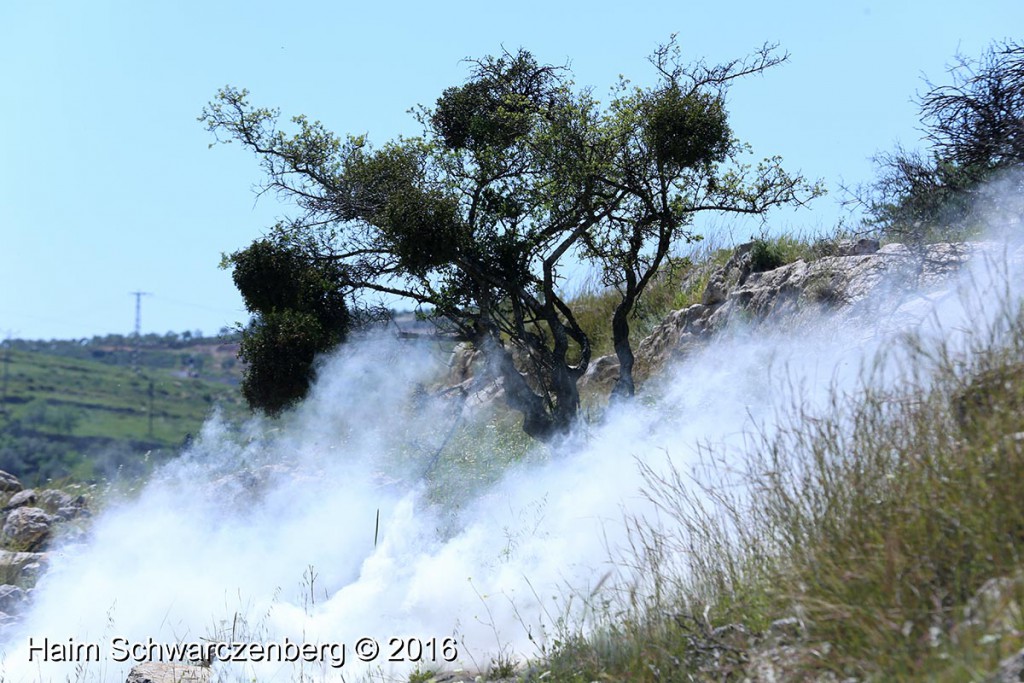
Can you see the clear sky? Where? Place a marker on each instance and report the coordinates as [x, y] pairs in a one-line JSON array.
[[107, 184]]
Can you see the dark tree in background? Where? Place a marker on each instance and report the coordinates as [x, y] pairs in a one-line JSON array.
[[298, 311], [974, 129], [517, 175]]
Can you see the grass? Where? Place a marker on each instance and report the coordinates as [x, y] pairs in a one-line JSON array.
[[679, 284], [879, 539], [682, 281], [105, 400], [888, 530], [58, 410]]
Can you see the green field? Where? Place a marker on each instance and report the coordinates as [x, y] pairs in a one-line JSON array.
[[85, 418]]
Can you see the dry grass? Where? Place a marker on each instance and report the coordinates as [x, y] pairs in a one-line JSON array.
[[874, 525]]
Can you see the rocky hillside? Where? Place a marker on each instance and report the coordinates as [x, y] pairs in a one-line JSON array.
[[966, 431], [861, 280], [853, 280], [31, 519]]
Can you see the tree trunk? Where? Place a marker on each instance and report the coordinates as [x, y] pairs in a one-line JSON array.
[[624, 386], [544, 417]]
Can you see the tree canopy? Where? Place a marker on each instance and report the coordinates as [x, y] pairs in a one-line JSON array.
[[517, 174], [974, 129], [299, 310]]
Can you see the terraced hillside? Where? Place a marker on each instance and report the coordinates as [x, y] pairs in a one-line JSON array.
[[106, 411]]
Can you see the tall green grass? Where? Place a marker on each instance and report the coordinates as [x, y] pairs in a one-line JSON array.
[[887, 530]]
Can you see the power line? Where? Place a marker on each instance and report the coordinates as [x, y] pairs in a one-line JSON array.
[[138, 327]]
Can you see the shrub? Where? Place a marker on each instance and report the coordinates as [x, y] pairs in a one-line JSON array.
[[766, 255], [973, 129]]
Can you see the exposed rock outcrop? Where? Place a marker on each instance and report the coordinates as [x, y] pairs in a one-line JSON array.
[[857, 279], [27, 527], [62, 504], [9, 483], [1011, 670], [21, 567], [679, 334], [29, 520], [462, 364], [168, 672], [11, 598], [732, 274], [24, 498], [850, 279]]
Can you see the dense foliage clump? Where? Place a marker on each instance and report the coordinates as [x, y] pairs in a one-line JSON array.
[[298, 312]]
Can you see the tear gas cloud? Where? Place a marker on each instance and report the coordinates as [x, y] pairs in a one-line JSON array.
[[327, 526]]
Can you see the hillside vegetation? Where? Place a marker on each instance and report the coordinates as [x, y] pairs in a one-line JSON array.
[[877, 536], [876, 540], [83, 411], [879, 539]]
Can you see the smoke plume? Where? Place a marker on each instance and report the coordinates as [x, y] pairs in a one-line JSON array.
[[340, 521]]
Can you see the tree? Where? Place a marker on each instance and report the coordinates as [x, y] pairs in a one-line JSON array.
[[674, 155], [517, 173], [299, 311], [974, 129]]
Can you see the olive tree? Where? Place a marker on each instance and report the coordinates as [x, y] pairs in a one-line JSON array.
[[673, 156], [517, 174]]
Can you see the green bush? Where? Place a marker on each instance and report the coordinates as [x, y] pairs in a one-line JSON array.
[[298, 310], [766, 255]]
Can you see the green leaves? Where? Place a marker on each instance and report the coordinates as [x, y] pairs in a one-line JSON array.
[[496, 108], [687, 130], [298, 309], [279, 348], [424, 229], [474, 116], [272, 276], [371, 178], [517, 171]]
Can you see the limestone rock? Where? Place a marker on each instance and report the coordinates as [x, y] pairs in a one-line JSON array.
[[66, 514], [860, 247], [12, 598], [53, 500], [168, 672], [21, 568], [461, 365], [856, 279], [852, 280], [1011, 670], [601, 375], [26, 498], [8, 482], [27, 528], [679, 333], [733, 273]]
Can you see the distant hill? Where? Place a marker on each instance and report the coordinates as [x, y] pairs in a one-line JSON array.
[[90, 409]]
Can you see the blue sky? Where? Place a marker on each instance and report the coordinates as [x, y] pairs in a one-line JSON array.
[[108, 185]]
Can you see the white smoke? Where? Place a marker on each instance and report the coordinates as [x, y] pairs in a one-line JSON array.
[[323, 528]]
